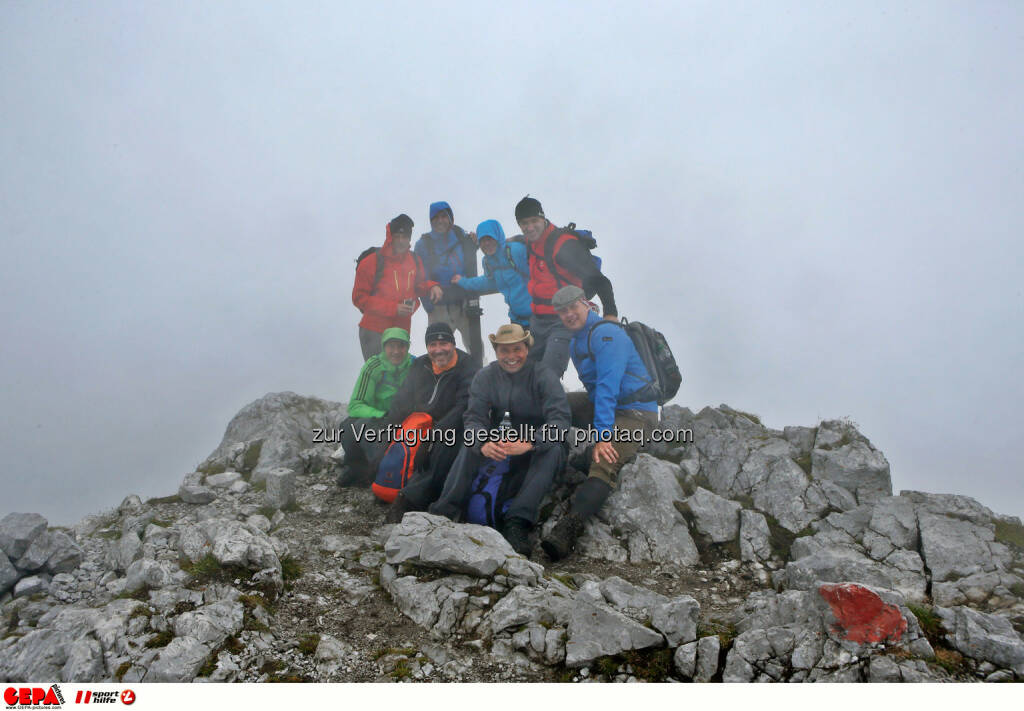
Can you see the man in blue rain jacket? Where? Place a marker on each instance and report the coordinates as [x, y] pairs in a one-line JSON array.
[[506, 269]]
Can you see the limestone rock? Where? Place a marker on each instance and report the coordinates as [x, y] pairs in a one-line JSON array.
[[234, 543], [211, 624], [280, 492], [983, 636], [8, 574], [641, 510], [598, 630], [436, 542], [272, 432], [685, 659], [192, 490], [31, 585], [123, 552], [755, 537], [707, 658], [17, 531], [85, 662], [624, 596], [179, 661], [845, 457], [677, 619], [714, 516]]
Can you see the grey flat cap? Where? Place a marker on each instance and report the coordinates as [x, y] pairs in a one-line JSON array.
[[566, 295]]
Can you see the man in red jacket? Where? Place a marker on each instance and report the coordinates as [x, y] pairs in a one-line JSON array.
[[387, 284]]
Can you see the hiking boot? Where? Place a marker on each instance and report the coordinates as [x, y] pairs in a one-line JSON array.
[[398, 508], [351, 476], [582, 460], [562, 539], [517, 532]]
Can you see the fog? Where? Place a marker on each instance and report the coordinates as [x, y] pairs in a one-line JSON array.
[[820, 205]]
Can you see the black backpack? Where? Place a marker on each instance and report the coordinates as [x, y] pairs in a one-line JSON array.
[[584, 237], [657, 358]]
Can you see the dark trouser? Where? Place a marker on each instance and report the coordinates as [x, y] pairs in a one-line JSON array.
[[429, 477], [550, 342], [369, 341], [542, 466], [359, 453]]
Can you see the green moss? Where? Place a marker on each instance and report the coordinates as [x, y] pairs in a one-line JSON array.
[[251, 602], [183, 606], [141, 611], [110, 535], [291, 569], [142, 594], [1010, 534], [781, 539], [122, 670], [309, 644], [160, 639], [1018, 590], [607, 666], [173, 499], [725, 631], [952, 661], [565, 579], [804, 462], [211, 468], [564, 675], [930, 623], [252, 456], [268, 511], [650, 664]]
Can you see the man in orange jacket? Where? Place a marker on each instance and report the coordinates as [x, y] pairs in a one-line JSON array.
[[388, 282]]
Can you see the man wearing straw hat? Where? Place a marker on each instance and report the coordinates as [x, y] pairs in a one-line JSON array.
[[538, 413]]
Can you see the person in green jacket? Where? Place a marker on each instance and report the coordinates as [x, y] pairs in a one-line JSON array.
[[378, 381]]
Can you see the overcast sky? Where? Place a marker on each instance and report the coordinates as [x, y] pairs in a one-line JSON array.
[[820, 204]]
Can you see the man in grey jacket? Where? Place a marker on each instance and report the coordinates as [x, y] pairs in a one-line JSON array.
[[538, 411]]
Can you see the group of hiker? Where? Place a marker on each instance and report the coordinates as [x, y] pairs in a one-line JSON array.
[[509, 420]]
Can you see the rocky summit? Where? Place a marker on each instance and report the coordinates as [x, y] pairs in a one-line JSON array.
[[746, 554]]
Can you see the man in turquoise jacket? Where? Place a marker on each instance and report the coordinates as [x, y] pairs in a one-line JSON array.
[[618, 405], [378, 381], [506, 269]]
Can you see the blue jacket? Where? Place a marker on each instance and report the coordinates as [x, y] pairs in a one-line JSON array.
[[501, 274], [442, 255], [615, 372]]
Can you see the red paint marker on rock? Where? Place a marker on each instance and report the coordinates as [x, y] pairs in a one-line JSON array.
[[861, 615]]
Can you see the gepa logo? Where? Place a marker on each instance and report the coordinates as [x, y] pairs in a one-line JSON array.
[[27, 697]]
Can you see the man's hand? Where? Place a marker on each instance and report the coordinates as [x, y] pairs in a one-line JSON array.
[[493, 450], [611, 317], [473, 235], [514, 449], [456, 278], [436, 293], [405, 309], [606, 451]]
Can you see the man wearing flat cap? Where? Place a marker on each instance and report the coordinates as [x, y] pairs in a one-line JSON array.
[[535, 402], [618, 401]]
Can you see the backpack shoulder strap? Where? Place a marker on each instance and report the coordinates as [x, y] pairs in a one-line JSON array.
[[590, 351], [551, 248]]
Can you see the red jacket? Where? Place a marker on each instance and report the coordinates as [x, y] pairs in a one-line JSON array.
[[400, 278], [543, 283]]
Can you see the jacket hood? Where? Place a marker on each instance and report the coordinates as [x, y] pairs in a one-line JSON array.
[[436, 207], [491, 228], [394, 333]]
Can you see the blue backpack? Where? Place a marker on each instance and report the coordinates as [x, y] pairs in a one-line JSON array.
[[489, 499]]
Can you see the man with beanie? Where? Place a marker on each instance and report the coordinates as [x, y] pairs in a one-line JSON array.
[[438, 384], [447, 251], [388, 280], [618, 404], [536, 404], [557, 258], [380, 378]]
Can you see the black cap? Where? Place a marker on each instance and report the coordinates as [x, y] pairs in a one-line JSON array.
[[402, 223], [528, 207], [439, 331]]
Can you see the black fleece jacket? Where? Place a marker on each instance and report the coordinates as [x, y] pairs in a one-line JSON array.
[[443, 396]]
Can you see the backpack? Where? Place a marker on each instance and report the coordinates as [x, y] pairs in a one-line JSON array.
[[584, 237], [486, 506], [508, 256], [399, 461], [657, 358], [468, 252], [380, 264]]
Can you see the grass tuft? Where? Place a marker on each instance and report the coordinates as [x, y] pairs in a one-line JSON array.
[[160, 639], [1010, 534], [309, 644]]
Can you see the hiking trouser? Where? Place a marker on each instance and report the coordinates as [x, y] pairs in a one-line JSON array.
[[550, 342], [360, 454], [429, 477], [369, 341], [541, 468], [582, 410]]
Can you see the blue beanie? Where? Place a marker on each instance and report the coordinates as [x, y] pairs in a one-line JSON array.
[[440, 206]]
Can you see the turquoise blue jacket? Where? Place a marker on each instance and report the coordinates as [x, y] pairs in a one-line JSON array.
[[507, 271]]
